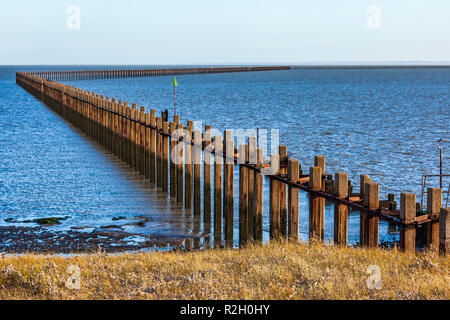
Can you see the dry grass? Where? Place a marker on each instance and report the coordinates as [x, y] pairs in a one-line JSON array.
[[276, 271]]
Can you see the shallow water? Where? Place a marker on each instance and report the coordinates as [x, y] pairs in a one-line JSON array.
[[384, 123]]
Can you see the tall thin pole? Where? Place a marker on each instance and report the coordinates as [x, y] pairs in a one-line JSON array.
[[174, 101]]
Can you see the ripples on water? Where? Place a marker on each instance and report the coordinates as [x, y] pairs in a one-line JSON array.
[[384, 123]]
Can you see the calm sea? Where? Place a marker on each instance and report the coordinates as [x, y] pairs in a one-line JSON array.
[[383, 122]]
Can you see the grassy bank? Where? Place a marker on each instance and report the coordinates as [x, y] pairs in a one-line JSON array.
[[278, 271]]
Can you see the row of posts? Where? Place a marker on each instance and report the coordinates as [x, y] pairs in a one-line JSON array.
[[169, 154], [74, 75]]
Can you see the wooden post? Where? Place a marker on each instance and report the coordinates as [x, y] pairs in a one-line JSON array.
[[137, 141], [408, 215], [207, 158], [341, 210], [316, 209], [444, 231], [434, 205], [252, 160], [147, 146], [128, 141], [159, 145], [119, 140], [243, 195], [371, 194], [180, 165], [173, 153], [363, 180], [165, 157], [283, 192], [197, 171], [228, 190], [133, 136], [153, 146], [188, 155], [258, 198], [142, 142], [274, 201], [218, 161], [293, 199]]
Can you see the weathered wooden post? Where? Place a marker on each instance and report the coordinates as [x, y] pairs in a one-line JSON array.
[[293, 199], [363, 180], [228, 190], [408, 216], [128, 135], [134, 116], [283, 193], [218, 160], [180, 165], [258, 198], [159, 145], [207, 158], [252, 160], [434, 205], [173, 174], [119, 140], [274, 200], [147, 146], [153, 146], [243, 195], [341, 210], [197, 171], [316, 209], [142, 142], [137, 139], [165, 157], [444, 231], [371, 194], [188, 168]]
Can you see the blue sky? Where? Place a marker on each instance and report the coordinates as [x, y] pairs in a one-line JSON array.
[[232, 31]]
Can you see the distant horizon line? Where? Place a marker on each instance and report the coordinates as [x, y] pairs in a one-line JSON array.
[[294, 64]]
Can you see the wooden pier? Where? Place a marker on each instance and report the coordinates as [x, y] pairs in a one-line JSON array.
[[170, 154]]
